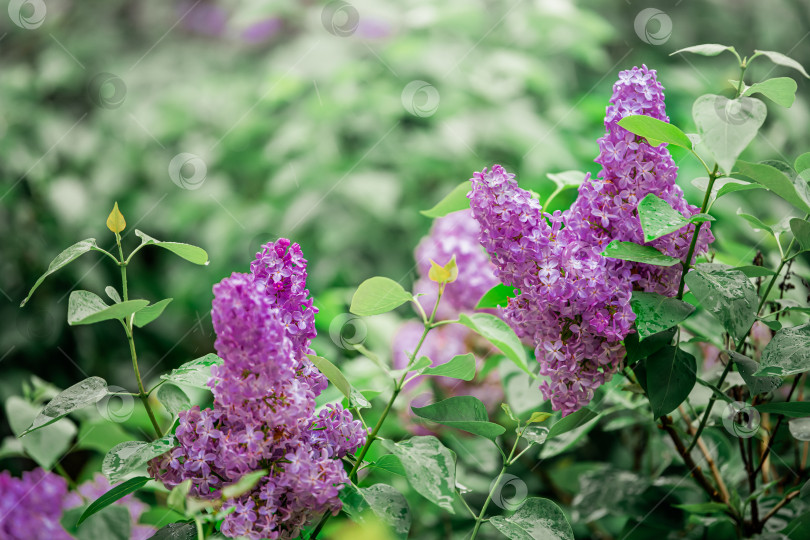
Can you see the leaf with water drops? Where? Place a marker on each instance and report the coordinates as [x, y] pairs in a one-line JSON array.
[[787, 353], [194, 254], [656, 313], [85, 307], [460, 367], [388, 504], [535, 434], [63, 259], [728, 295], [466, 413], [747, 368], [80, 395], [727, 126], [194, 373], [536, 519], [800, 428], [176, 531], [629, 251], [173, 398], [131, 457], [430, 468]]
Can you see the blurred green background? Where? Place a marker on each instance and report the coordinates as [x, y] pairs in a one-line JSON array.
[[328, 123]]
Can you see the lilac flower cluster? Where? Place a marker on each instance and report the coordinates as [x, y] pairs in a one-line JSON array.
[[631, 169], [264, 407], [574, 303], [31, 506], [454, 234], [570, 306]]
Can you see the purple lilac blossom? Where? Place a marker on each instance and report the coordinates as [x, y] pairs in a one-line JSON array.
[[31, 506], [574, 310], [264, 407], [605, 209]]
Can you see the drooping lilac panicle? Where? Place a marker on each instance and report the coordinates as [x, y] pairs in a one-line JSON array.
[[264, 407], [31, 506], [631, 169], [454, 234], [570, 306]]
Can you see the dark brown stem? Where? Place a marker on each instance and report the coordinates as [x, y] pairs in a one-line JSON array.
[[694, 469]]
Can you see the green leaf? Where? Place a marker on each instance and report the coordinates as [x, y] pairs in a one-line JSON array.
[[655, 131], [774, 180], [801, 230], [115, 493], [628, 251], [63, 259], [130, 457], [638, 350], [100, 435], [755, 222], [78, 396], [113, 294], [731, 187], [781, 90], [728, 295], [573, 421], [466, 413], [727, 126], [497, 297], [110, 523], [782, 60], [194, 373], [706, 49], [658, 218], [536, 519], [194, 254], [460, 367], [378, 295], [787, 353], [703, 508], [331, 372], [45, 446], [747, 368], [390, 463], [792, 409], [430, 468], [178, 496], [508, 410], [802, 162], [537, 417], [85, 307], [800, 429], [656, 313], [670, 379], [388, 504], [173, 398], [176, 531], [150, 313], [452, 202], [567, 179], [245, 484], [499, 334], [755, 271]]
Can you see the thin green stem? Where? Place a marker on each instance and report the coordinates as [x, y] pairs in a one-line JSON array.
[[687, 263], [467, 506], [123, 265], [508, 461], [741, 84], [108, 254], [141, 391]]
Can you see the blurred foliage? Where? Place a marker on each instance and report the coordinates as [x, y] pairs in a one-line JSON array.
[[307, 134]]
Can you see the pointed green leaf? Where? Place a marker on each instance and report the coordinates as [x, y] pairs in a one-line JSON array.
[[378, 295], [731, 187], [656, 313], [658, 218], [703, 508], [782, 60], [781, 90], [459, 367], [571, 422], [45, 446], [173, 398], [150, 313], [755, 222], [755, 271], [78, 396], [130, 457], [639, 350], [727, 126], [536, 519], [775, 180], [628, 251], [115, 493], [747, 368], [63, 259], [388, 504], [499, 334], [194, 254], [176, 531], [801, 230], [430, 468], [113, 294], [390, 463], [791, 409], [245, 484], [706, 49], [671, 375], [194, 373], [728, 295], [466, 413], [787, 353], [497, 297], [655, 131], [331, 372], [85, 307], [452, 202], [802, 162]]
